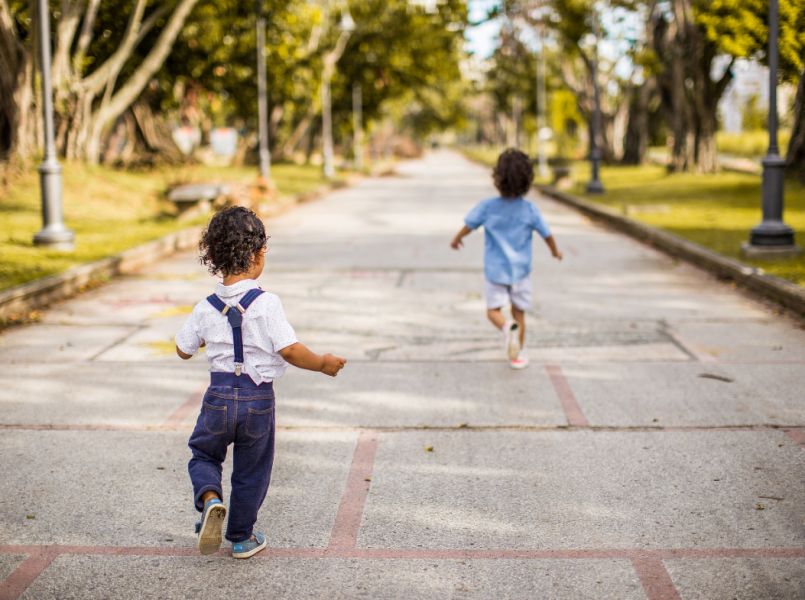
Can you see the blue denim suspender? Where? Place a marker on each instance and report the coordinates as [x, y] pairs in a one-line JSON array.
[[235, 318]]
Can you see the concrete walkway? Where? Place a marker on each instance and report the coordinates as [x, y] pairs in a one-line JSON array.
[[652, 449]]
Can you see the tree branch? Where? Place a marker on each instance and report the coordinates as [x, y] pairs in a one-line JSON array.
[[98, 78], [149, 23], [65, 34], [85, 37], [153, 61]]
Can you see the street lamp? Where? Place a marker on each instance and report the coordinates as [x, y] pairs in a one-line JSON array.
[[347, 26], [357, 125], [262, 100], [595, 186], [53, 233], [542, 130], [772, 238]]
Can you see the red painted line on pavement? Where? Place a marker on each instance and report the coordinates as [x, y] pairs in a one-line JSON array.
[[344, 535], [798, 435], [418, 553], [655, 579], [26, 572], [570, 405], [187, 408]]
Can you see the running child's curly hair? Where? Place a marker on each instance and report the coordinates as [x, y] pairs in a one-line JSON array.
[[231, 240], [513, 173]]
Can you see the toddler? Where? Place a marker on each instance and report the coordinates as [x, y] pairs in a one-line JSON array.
[[509, 222], [248, 342]]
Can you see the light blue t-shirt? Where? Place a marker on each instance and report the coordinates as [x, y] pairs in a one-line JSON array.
[[508, 226]]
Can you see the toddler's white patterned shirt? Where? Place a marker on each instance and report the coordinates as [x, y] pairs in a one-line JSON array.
[[266, 331]]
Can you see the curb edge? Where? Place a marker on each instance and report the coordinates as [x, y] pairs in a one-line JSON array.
[[784, 293]]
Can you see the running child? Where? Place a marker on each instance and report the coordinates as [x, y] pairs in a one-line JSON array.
[[249, 343], [509, 222]]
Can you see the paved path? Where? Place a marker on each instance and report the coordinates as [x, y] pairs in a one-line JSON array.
[[650, 451]]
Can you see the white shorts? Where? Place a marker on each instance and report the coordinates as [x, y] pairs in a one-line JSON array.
[[518, 294]]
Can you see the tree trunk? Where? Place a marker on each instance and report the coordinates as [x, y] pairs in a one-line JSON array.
[[690, 96], [635, 140], [20, 116], [795, 157]]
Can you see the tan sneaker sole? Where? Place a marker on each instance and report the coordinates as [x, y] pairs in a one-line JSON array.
[[209, 537]]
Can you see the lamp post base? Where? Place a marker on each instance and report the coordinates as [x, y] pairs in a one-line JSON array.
[[595, 187], [770, 252], [58, 238]]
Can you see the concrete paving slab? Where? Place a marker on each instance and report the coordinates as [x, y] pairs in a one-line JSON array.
[[99, 488], [58, 343], [738, 578], [152, 342], [97, 393], [131, 300], [411, 395], [170, 577], [674, 394], [9, 562], [585, 489], [762, 341]]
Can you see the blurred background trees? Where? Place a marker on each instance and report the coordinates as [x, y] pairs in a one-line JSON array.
[[129, 73]]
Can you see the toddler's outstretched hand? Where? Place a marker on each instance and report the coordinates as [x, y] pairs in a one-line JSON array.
[[456, 244], [331, 364], [558, 255]]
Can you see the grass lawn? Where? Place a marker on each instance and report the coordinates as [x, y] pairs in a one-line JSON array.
[[716, 211], [110, 211]]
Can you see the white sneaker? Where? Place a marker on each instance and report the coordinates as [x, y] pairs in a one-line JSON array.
[[511, 333], [521, 362]]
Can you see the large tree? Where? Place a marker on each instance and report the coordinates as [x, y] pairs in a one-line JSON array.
[[740, 28], [94, 78]]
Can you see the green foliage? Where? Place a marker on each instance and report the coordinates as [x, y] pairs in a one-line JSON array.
[[565, 122], [407, 55], [750, 143], [753, 117], [740, 28]]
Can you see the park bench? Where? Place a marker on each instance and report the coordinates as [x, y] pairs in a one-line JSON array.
[[196, 198]]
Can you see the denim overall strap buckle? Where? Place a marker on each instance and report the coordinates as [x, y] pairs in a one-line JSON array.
[[235, 318]]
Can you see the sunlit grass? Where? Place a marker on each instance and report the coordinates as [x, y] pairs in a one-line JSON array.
[[716, 211], [110, 211]]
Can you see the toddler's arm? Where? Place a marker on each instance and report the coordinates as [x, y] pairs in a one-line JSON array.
[[457, 243], [301, 356], [551, 243]]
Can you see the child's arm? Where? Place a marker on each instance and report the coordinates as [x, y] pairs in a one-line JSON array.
[[457, 243], [184, 355], [301, 356], [551, 243]]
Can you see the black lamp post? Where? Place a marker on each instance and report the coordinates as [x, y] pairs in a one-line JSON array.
[[595, 186], [772, 238], [262, 100], [53, 233]]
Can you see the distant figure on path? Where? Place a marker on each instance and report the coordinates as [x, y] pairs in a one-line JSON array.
[[509, 222], [248, 341]]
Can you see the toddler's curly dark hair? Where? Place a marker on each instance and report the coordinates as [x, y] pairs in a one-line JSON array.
[[231, 240], [513, 173]]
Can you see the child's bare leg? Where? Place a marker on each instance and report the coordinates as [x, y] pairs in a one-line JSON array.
[[495, 315], [519, 316], [209, 495]]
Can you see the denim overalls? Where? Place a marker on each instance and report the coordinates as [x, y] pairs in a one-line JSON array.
[[235, 410]]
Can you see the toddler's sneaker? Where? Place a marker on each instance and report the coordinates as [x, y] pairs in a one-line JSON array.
[[511, 332], [210, 526], [521, 362], [250, 547]]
